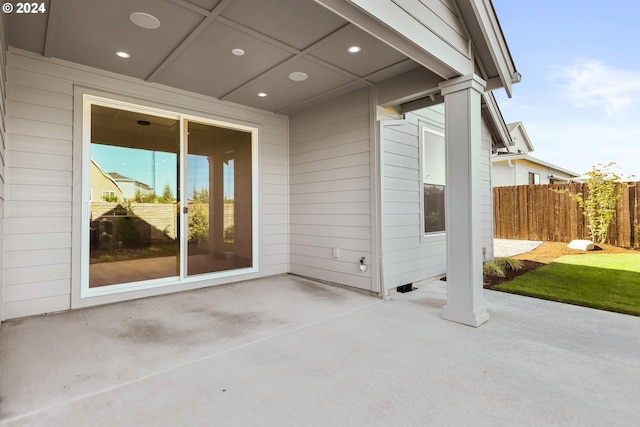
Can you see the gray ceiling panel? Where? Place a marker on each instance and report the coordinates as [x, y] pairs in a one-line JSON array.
[[28, 31], [206, 4], [207, 66], [374, 55], [191, 49], [283, 92], [298, 23], [90, 32], [392, 71]]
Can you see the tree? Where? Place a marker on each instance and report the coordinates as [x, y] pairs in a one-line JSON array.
[[167, 195], [198, 223], [599, 207]]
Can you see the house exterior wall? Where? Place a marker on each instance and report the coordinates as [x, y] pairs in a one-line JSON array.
[[524, 167], [42, 233], [519, 141], [503, 174], [486, 173], [100, 182], [331, 191], [407, 255], [518, 173]]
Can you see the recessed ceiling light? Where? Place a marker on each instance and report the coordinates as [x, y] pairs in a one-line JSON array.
[[262, 95], [123, 54], [237, 52], [298, 76], [354, 49], [144, 20]]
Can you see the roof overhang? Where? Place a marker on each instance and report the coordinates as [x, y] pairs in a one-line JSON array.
[[492, 52], [527, 157], [495, 121]]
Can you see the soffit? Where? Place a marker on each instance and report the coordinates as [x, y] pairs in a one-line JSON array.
[[191, 49]]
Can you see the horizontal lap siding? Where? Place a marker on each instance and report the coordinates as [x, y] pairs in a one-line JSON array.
[[40, 144], [407, 257], [487, 193], [331, 191], [39, 170]]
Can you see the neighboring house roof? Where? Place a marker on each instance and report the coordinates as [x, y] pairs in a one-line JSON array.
[[121, 178], [106, 175], [520, 138], [508, 156]]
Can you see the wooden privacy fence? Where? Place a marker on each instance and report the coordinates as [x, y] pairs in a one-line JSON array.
[[535, 212]]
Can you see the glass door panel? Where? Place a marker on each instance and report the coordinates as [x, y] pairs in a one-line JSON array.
[[219, 189], [134, 221]]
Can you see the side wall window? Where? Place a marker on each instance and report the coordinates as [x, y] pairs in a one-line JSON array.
[[534, 178], [433, 179]]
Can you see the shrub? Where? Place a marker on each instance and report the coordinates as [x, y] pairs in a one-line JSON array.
[[493, 269], [599, 206], [509, 263], [499, 266]]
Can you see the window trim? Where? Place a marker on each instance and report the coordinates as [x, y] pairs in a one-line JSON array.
[[424, 128], [82, 295]]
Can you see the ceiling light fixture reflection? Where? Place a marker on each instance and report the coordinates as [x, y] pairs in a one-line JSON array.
[[237, 52], [144, 20], [123, 54], [354, 49], [298, 76], [262, 95]]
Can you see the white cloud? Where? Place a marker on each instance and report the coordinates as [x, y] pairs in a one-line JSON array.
[[590, 83], [578, 145]]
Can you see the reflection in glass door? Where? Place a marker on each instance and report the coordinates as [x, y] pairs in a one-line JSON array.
[[219, 199], [134, 221]]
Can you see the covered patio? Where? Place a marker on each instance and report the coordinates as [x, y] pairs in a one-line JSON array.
[[290, 351]]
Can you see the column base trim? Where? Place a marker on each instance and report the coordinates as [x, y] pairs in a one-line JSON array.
[[469, 318]]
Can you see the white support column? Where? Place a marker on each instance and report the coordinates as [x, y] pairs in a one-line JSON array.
[[465, 302]]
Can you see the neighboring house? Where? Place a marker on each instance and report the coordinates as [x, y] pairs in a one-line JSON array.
[[103, 186], [130, 186], [518, 167], [333, 119]]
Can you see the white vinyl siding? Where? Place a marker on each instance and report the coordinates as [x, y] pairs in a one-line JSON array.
[[407, 256], [503, 174], [40, 263], [331, 191], [487, 193]]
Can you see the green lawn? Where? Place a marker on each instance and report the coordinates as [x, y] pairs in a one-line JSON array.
[[604, 281]]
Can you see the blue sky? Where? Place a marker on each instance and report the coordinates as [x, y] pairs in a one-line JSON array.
[[138, 164], [579, 98]]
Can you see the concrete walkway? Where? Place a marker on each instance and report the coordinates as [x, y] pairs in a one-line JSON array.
[[285, 351]]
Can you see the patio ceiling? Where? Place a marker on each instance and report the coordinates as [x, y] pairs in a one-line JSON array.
[[192, 47]]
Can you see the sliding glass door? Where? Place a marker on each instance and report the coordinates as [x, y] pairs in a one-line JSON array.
[[141, 227], [219, 188]]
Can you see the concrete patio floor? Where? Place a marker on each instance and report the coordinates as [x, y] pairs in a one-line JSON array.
[[286, 351]]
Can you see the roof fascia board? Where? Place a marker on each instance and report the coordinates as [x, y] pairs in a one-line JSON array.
[[412, 40], [531, 159], [496, 121], [527, 140], [494, 38]]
